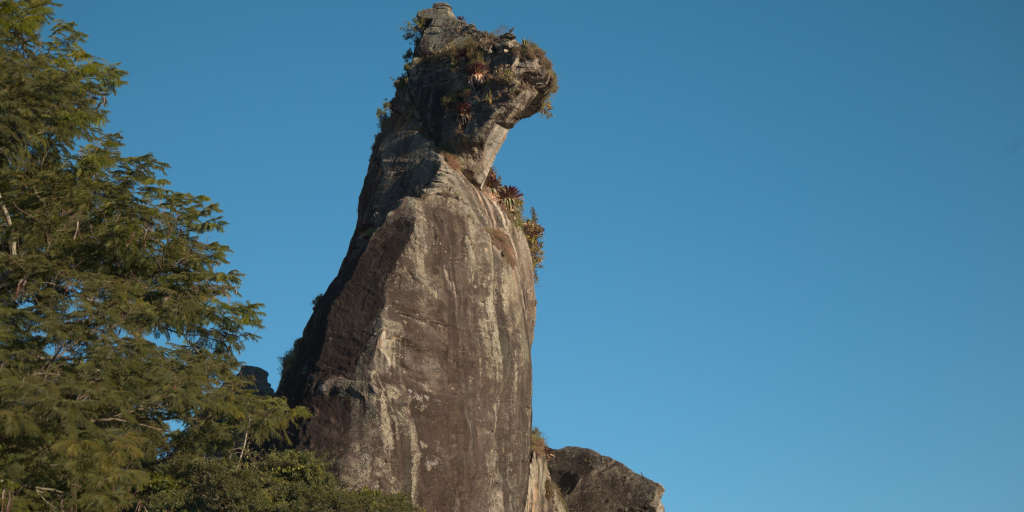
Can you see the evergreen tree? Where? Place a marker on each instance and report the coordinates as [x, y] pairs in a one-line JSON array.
[[116, 320], [267, 482]]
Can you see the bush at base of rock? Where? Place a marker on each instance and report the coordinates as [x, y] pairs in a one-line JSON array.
[[274, 481]]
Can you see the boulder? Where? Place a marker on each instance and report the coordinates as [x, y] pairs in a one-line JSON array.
[[258, 376], [592, 482]]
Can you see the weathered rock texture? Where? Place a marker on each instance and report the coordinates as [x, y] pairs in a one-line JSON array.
[[543, 494], [416, 360], [592, 482]]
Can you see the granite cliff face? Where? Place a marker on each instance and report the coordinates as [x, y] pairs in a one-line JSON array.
[[543, 494], [416, 360]]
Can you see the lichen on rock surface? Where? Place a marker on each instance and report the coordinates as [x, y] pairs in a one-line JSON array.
[[416, 359]]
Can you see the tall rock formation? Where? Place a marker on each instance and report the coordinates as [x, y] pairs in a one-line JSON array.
[[416, 360]]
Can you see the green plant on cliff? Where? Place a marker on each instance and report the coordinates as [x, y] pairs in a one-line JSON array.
[[511, 200], [535, 238], [476, 58], [290, 357], [413, 30], [537, 442], [529, 50], [539, 449], [117, 321]]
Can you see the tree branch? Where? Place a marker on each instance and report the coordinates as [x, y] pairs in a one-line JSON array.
[[122, 420], [7, 217], [245, 443]]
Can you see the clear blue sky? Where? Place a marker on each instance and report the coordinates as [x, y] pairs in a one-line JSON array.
[[784, 239]]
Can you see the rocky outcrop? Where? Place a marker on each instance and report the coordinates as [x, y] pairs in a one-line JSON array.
[[416, 360], [258, 377], [543, 494], [592, 482]]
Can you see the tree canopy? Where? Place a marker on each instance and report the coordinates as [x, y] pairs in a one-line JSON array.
[[119, 326]]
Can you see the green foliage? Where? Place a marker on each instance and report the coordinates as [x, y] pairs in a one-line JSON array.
[[289, 358], [535, 238], [504, 75], [481, 61], [413, 30], [271, 482], [116, 318], [530, 51], [511, 200]]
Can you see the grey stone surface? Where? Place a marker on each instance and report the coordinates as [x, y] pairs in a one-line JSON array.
[[543, 494], [416, 360], [592, 482]]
